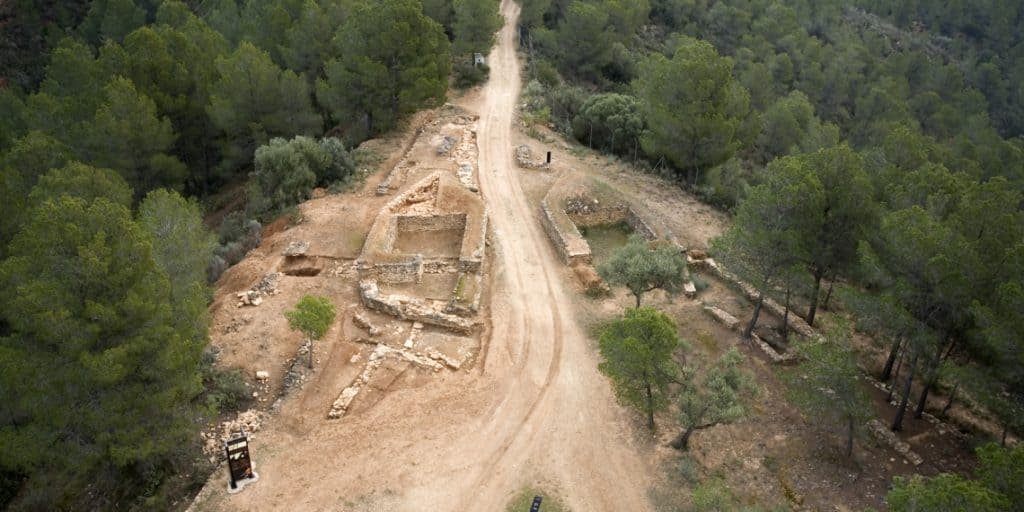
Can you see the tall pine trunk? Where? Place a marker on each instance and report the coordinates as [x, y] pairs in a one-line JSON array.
[[887, 371], [828, 294], [818, 274], [933, 373], [896, 375], [923, 400], [682, 441], [650, 407], [952, 396], [897, 422], [753, 320]]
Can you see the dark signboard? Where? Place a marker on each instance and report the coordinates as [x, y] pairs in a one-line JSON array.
[[239, 463], [536, 499]]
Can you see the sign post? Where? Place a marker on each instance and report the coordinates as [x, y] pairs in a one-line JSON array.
[[240, 467]]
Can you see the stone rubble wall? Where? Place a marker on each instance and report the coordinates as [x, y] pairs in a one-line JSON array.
[[598, 216], [474, 242], [434, 222], [524, 158], [407, 308], [571, 246], [796, 323], [639, 225], [733, 324], [614, 215], [376, 358], [407, 269]]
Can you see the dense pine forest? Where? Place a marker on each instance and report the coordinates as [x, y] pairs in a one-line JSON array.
[[113, 113], [871, 154]]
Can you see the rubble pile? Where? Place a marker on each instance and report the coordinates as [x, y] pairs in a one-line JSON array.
[[249, 422], [446, 146], [264, 288]]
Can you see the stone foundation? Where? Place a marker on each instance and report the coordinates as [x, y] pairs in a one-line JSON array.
[[408, 308], [568, 241]]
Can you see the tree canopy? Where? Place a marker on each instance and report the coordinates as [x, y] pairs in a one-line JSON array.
[[636, 353], [641, 268], [395, 60]]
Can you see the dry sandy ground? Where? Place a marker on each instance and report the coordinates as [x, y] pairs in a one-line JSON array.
[[535, 410]]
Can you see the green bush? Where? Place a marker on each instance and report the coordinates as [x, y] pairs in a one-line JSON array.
[[467, 75], [688, 469], [238, 235], [287, 170], [226, 389], [713, 496], [546, 73]]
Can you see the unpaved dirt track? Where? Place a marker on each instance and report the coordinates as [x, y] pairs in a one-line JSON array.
[[538, 409], [557, 416]]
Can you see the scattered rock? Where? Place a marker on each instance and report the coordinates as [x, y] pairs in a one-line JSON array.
[[689, 289], [249, 421], [446, 146], [722, 316], [266, 286], [296, 248], [364, 323], [340, 406], [883, 434], [262, 375], [697, 254]]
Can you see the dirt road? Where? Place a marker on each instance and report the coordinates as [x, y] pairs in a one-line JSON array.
[[537, 410], [557, 416]]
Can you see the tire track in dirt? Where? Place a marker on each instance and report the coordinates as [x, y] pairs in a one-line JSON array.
[[544, 413]]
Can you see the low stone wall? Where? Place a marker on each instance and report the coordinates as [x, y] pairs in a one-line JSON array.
[[406, 269], [614, 215], [474, 243], [598, 216], [733, 324], [569, 243], [639, 225], [408, 308], [796, 323], [438, 222]]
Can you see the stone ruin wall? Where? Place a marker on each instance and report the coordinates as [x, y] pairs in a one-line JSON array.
[[571, 246], [569, 242], [407, 270], [471, 256], [435, 222], [409, 308]]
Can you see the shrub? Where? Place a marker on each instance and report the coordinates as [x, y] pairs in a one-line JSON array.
[[238, 235], [467, 75], [545, 73], [286, 172]]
